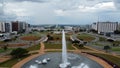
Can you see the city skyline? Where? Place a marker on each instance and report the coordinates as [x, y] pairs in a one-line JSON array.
[[60, 11]]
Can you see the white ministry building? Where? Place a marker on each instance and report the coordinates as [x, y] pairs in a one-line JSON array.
[[2, 27], [107, 27]]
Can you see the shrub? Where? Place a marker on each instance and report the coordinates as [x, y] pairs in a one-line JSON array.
[[19, 52]]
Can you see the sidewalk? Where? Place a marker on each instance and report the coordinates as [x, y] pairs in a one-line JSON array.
[[4, 58], [21, 63]]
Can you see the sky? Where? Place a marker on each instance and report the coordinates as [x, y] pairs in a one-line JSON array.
[[60, 11]]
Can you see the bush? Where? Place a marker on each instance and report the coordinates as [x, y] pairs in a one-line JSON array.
[[19, 52], [117, 32], [107, 48]]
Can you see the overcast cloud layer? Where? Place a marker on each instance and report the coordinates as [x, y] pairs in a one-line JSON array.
[[60, 11]]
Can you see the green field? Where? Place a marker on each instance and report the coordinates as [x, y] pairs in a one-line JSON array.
[[32, 48], [55, 36], [69, 46], [116, 42], [102, 39], [32, 34], [86, 37], [97, 44], [2, 50], [83, 48], [52, 46], [115, 49], [57, 46]]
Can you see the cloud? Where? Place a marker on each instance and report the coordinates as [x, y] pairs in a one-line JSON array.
[[40, 1], [61, 11], [117, 4], [1, 8], [98, 7], [67, 5]]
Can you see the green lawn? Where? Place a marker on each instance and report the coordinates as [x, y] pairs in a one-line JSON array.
[[35, 47], [2, 50], [69, 46], [60, 36], [116, 42], [115, 49], [83, 48], [53, 46], [57, 46], [102, 39], [97, 44], [110, 58], [11, 62], [32, 34], [86, 37]]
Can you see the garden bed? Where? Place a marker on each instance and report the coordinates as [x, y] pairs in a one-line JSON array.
[[30, 38]]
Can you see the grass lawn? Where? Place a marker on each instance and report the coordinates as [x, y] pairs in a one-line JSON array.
[[55, 36], [102, 39], [58, 46], [35, 47], [97, 44], [69, 46], [11, 62], [83, 48], [2, 50], [115, 49], [109, 58], [116, 42], [86, 37], [32, 34], [53, 46]]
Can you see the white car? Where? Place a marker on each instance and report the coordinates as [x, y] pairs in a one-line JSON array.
[[38, 62], [44, 61]]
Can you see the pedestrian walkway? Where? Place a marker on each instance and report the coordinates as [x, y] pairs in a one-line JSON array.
[[21, 63], [41, 51], [4, 58]]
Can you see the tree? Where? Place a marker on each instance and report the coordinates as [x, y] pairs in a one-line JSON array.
[[19, 52], [49, 37], [117, 32], [75, 42], [81, 45], [107, 48]]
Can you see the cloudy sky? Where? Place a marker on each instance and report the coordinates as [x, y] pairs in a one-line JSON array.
[[60, 11]]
